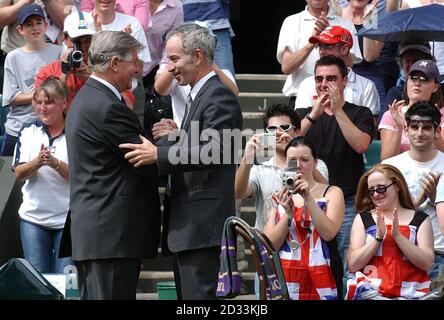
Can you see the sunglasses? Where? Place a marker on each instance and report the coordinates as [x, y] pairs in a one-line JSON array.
[[329, 78], [426, 125], [283, 127], [421, 79], [321, 45], [379, 189]]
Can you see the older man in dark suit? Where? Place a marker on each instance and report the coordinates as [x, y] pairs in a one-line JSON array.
[[115, 211], [202, 184]]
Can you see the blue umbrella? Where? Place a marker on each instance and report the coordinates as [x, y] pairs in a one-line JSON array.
[[423, 23]]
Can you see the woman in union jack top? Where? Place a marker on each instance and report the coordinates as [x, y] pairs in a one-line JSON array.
[[391, 243], [303, 224]]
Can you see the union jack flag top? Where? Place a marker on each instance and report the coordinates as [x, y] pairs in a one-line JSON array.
[[305, 258], [389, 274]]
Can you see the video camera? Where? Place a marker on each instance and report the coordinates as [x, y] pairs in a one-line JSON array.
[[75, 58]]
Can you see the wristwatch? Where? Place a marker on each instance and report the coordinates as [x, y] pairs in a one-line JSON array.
[[377, 239], [307, 116]]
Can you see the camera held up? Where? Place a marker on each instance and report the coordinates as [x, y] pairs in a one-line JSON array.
[[75, 58], [288, 177]]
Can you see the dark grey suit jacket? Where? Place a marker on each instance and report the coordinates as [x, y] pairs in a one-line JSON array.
[[202, 195], [115, 210]]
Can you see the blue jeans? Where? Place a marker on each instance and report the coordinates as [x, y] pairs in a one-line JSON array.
[[8, 145], [343, 236], [41, 248], [223, 55], [439, 259]]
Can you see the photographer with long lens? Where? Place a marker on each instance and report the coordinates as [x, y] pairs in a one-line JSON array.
[[73, 68], [303, 222]]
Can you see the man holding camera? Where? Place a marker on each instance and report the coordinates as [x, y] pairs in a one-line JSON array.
[[70, 69], [261, 181]]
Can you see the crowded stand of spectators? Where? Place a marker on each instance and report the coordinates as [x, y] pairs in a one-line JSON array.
[[339, 230]]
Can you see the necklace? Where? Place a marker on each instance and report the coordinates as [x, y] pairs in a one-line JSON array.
[[293, 235], [316, 184]]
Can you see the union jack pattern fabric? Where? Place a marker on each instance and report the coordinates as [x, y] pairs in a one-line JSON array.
[[389, 274], [306, 265]]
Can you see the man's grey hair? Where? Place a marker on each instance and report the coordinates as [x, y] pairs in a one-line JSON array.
[[108, 44], [194, 37]]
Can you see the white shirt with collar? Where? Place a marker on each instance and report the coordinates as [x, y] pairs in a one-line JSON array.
[[180, 93], [108, 85], [295, 32], [359, 90], [196, 88]]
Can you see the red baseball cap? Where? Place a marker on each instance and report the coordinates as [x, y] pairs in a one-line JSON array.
[[333, 35]]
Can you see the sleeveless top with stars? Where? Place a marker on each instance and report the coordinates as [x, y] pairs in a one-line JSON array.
[[389, 273], [309, 263]]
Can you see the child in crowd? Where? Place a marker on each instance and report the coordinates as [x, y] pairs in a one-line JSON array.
[[21, 67]]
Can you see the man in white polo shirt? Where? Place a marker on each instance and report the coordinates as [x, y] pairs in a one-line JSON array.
[[295, 53], [337, 41]]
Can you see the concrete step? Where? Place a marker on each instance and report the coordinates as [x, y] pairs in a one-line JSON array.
[[148, 279], [252, 122], [260, 82], [169, 275], [259, 101], [155, 296]]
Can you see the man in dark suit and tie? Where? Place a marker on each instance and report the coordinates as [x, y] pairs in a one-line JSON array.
[[201, 184], [115, 210]]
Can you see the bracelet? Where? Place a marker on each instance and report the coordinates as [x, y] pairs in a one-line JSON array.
[[377, 239], [310, 118], [58, 165]]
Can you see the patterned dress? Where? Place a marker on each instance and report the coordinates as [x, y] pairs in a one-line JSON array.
[[305, 258], [389, 274]]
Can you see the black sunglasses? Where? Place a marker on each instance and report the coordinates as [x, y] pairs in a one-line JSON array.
[[321, 45], [329, 78], [427, 125], [283, 127], [421, 79], [379, 189]]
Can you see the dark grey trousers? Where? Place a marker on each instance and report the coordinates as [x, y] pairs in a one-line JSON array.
[[198, 272], [108, 279]]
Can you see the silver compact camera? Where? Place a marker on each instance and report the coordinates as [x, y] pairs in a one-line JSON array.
[[268, 139], [288, 179]]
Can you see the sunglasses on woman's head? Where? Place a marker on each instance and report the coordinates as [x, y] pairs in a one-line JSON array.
[[379, 189]]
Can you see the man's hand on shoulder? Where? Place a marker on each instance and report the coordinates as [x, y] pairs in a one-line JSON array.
[[140, 154]]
